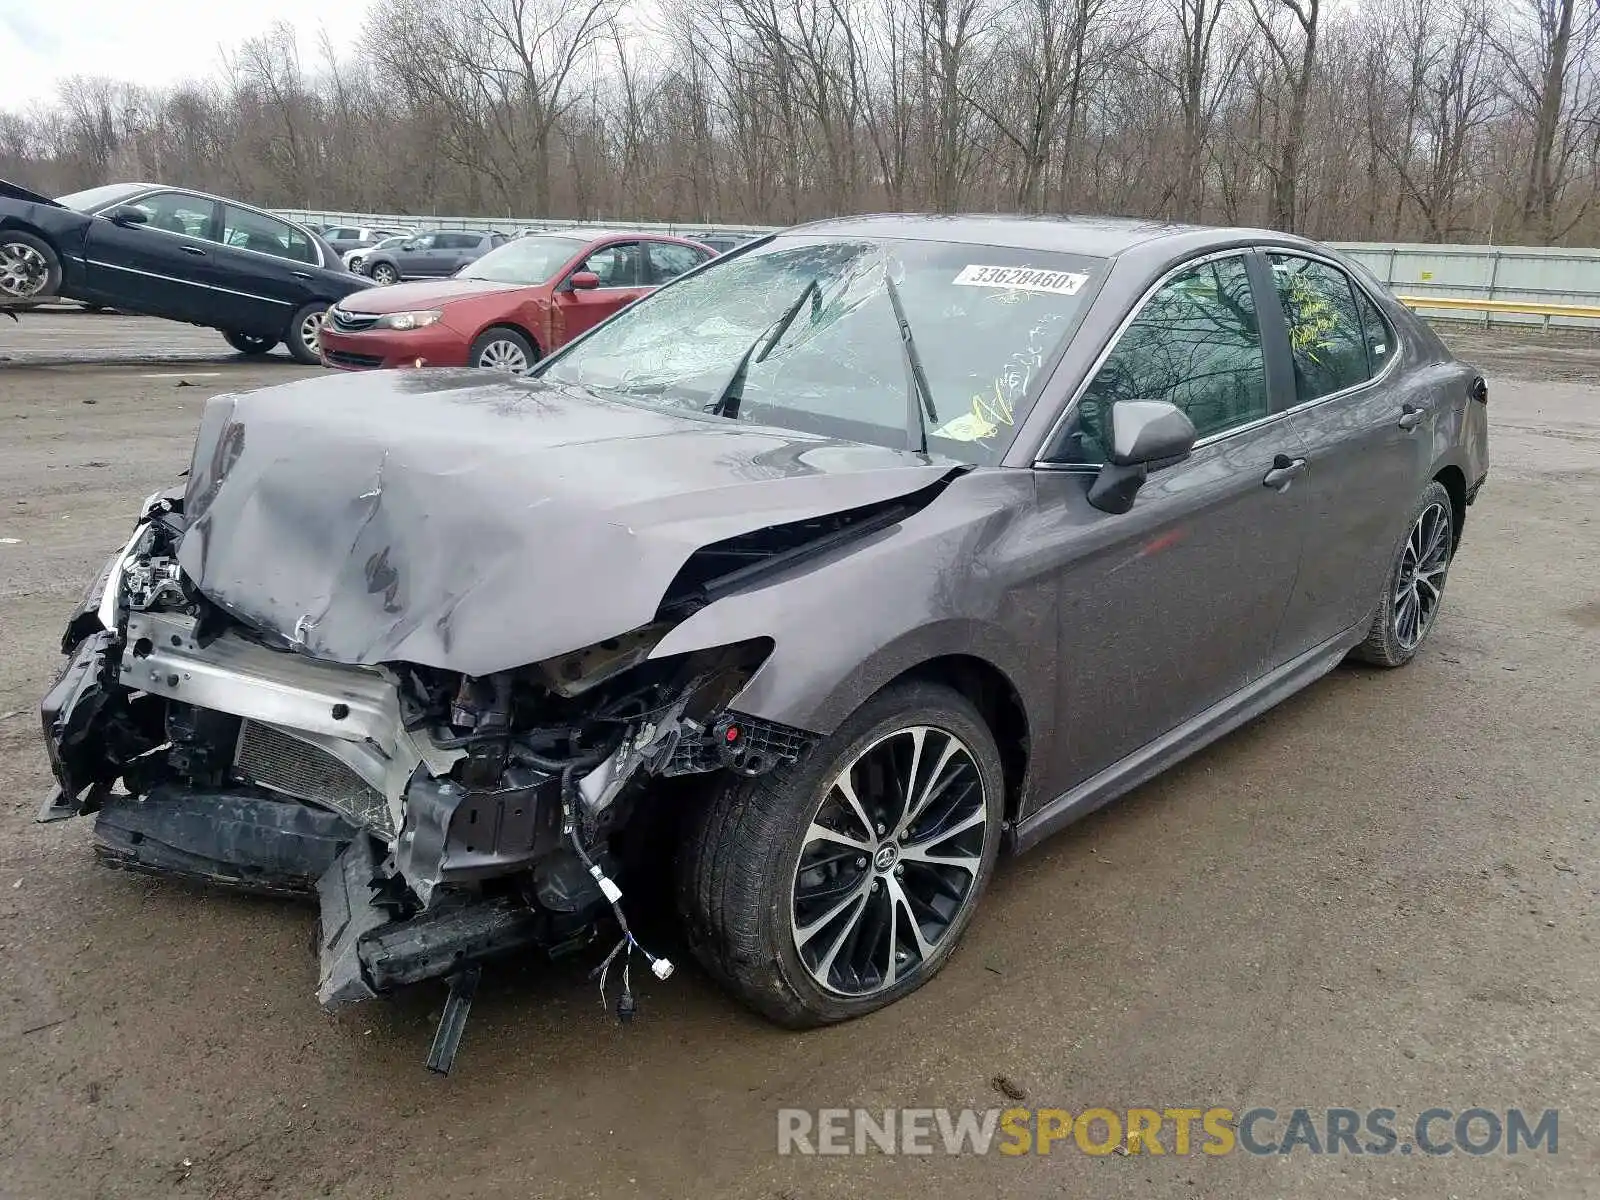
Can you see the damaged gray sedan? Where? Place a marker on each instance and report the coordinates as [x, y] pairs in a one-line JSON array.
[[825, 572]]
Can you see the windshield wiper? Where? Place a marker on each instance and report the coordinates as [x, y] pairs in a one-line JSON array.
[[728, 398], [918, 397]]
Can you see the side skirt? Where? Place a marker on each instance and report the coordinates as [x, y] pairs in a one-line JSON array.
[[1177, 744]]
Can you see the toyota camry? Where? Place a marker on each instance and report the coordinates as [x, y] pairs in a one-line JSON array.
[[824, 574]]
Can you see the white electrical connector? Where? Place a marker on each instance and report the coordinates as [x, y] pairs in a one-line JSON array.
[[662, 968], [612, 892]]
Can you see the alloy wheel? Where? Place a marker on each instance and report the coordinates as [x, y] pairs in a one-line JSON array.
[[23, 271], [890, 861], [383, 274], [1419, 581], [311, 330], [503, 355]]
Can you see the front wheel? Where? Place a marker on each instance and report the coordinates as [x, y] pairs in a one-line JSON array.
[[29, 268], [830, 889], [1414, 588], [250, 344], [304, 332], [502, 349], [383, 275]]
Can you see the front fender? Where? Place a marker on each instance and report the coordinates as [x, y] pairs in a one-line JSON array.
[[962, 576]]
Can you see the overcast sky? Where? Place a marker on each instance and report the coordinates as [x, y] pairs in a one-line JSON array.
[[145, 41]]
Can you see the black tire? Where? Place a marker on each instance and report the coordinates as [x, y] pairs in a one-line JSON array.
[[249, 344], [383, 274], [299, 336], [1388, 644], [738, 865], [503, 343], [30, 270]]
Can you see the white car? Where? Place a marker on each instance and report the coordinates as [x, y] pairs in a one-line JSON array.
[[352, 258]]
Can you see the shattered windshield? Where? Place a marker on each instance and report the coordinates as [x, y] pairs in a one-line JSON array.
[[806, 332], [528, 260]]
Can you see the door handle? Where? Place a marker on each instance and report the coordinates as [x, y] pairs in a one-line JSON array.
[[302, 274], [1410, 417], [195, 250], [1283, 470]]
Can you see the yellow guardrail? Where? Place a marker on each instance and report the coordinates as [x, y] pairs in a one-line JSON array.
[[1520, 307]]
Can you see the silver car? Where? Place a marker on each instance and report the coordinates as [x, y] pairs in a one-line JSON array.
[[826, 573]]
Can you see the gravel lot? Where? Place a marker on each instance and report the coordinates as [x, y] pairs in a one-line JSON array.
[[1381, 893]]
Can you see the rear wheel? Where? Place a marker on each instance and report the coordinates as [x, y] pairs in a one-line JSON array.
[[384, 274], [249, 343], [1414, 587], [503, 349], [29, 268], [304, 331], [829, 889]]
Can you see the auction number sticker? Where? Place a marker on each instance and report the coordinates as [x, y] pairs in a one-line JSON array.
[[1026, 279]]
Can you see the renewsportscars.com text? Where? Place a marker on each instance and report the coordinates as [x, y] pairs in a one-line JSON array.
[[1211, 1131]]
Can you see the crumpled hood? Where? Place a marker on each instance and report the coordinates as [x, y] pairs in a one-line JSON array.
[[459, 520]]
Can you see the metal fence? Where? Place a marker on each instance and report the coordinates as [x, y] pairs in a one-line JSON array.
[[1531, 275]]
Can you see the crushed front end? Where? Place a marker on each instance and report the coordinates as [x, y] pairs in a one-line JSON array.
[[439, 819]]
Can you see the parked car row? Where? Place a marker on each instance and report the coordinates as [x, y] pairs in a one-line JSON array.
[[465, 297]]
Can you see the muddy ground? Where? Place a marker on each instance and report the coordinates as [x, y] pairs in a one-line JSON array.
[[1382, 893]]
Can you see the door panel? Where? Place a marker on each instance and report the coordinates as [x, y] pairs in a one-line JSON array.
[[415, 263], [1174, 605], [158, 267], [1365, 471], [622, 274], [262, 271]]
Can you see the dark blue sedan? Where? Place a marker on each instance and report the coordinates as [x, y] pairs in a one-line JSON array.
[[168, 252]]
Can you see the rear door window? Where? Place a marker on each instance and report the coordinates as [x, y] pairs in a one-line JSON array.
[[1327, 338], [1380, 337], [265, 235], [669, 260]]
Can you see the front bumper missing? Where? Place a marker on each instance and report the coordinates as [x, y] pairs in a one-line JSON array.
[[364, 951]]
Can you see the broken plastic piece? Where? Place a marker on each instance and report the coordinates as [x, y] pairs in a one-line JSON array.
[[453, 1021]]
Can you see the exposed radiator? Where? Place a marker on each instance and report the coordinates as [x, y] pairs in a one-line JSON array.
[[274, 759]]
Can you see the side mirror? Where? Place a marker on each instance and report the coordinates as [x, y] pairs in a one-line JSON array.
[[127, 214], [584, 281], [1144, 433]]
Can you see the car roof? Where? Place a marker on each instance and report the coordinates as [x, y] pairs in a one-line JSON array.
[[1094, 237], [586, 234]]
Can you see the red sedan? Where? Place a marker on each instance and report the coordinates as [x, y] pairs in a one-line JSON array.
[[509, 308]]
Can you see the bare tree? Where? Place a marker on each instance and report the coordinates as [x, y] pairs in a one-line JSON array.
[[1438, 119]]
